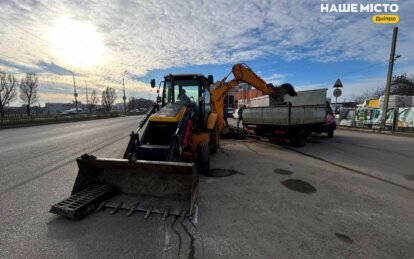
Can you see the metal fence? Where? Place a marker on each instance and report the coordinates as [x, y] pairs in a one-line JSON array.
[[22, 119], [398, 119]]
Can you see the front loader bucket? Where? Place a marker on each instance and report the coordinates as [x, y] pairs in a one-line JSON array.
[[147, 186]]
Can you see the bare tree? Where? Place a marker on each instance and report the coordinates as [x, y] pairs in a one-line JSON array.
[[108, 98], [402, 85], [368, 94], [28, 90], [93, 100], [8, 90]]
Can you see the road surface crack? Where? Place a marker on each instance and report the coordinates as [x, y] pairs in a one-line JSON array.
[[251, 149], [178, 235], [192, 248], [200, 235]]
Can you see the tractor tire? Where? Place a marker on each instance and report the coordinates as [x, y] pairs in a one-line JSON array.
[[214, 139], [203, 162]]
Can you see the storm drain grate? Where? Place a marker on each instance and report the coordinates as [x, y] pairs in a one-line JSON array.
[[83, 202]]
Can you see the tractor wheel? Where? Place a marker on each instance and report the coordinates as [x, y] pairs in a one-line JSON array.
[[203, 162], [214, 139]]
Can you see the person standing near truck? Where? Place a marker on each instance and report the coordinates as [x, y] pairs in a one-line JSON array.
[[330, 124], [240, 113]]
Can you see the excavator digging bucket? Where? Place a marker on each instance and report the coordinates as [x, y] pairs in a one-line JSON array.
[[168, 188]]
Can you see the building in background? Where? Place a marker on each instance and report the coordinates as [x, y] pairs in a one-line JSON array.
[[53, 108], [245, 93], [117, 107]]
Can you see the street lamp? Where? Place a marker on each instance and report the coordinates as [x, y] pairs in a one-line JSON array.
[[123, 86], [74, 89]]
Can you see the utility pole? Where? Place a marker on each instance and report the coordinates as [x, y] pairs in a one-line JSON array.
[[124, 97], [389, 76]]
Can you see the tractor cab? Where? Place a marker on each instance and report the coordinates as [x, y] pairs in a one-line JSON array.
[[189, 91]]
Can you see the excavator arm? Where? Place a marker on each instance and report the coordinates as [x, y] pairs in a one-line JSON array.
[[243, 73]]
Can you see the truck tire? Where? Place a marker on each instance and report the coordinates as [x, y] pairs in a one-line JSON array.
[[293, 137], [214, 139], [258, 132], [298, 137], [303, 137], [203, 161]]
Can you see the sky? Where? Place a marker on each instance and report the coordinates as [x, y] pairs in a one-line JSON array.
[[105, 41]]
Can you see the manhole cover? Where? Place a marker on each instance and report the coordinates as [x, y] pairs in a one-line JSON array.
[[298, 186]]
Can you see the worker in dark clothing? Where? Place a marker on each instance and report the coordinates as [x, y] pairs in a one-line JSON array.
[[182, 96], [240, 113]]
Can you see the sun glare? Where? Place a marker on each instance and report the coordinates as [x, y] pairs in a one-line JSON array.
[[76, 43]]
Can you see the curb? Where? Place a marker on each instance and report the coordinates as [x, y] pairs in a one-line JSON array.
[[378, 131]]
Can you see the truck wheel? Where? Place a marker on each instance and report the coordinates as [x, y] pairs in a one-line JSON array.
[[214, 139], [258, 132], [302, 138], [293, 137], [203, 162]]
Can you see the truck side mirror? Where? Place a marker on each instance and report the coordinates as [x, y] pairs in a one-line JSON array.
[[159, 100], [210, 80], [152, 83]]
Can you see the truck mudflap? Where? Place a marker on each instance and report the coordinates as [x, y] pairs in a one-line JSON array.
[[167, 188]]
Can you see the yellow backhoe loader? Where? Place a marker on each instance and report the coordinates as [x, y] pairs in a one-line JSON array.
[[159, 170]]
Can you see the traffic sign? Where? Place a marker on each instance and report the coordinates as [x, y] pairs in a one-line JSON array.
[[337, 92], [338, 83]]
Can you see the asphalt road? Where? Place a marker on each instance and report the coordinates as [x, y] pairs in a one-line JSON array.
[[350, 196]]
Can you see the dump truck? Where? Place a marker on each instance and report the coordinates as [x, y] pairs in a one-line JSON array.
[[159, 171], [290, 118]]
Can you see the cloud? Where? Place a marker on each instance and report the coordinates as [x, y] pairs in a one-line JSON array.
[[10, 67], [275, 79], [52, 68], [145, 35]]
